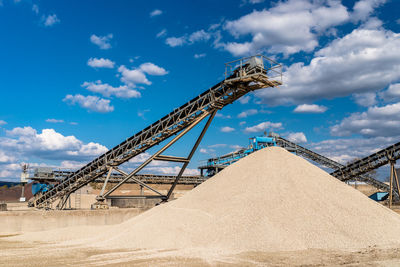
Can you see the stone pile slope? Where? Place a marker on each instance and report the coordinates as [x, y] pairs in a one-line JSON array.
[[271, 200]]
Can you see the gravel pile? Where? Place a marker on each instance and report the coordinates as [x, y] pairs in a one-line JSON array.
[[271, 200]]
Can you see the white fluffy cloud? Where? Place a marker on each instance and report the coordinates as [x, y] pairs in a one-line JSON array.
[[100, 63], [222, 116], [175, 170], [365, 99], [363, 61], [103, 42], [376, 121], [202, 150], [199, 55], [246, 113], [263, 126], [54, 121], [152, 69], [131, 77], [288, 27], [92, 103], [50, 20], [48, 144], [306, 108], [297, 138], [244, 99], [197, 36], [10, 171], [364, 8], [227, 129], [175, 41], [155, 12], [107, 90], [392, 93], [2, 122], [5, 158]]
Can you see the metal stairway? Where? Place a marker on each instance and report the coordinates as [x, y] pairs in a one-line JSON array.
[[241, 77]]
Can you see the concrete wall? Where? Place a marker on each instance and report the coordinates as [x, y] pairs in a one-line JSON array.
[[13, 222]]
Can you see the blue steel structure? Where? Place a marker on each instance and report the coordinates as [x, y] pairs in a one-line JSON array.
[[379, 196], [40, 188], [356, 172], [214, 165]]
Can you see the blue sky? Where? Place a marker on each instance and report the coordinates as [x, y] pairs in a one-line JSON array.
[[79, 77]]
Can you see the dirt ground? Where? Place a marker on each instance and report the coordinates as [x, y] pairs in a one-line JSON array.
[[42, 254]]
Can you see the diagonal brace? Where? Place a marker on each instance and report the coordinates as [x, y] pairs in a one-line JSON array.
[[170, 143], [191, 153], [139, 182]]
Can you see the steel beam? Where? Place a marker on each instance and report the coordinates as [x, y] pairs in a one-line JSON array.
[[205, 128], [137, 197], [223, 93], [171, 158], [105, 182], [135, 180], [169, 144]]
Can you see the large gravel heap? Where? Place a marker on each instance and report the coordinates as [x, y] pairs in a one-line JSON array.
[[271, 200]]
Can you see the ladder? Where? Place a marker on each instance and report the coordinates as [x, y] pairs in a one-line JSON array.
[[78, 196]]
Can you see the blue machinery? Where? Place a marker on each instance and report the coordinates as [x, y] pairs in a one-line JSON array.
[[357, 170], [241, 77], [214, 165]]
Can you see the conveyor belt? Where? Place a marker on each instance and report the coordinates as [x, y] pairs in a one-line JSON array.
[[367, 164], [324, 161], [116, 177], [223, 161], [248, 77]]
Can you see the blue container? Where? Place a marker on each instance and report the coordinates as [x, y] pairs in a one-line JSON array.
[[36, 188], [379, 196]]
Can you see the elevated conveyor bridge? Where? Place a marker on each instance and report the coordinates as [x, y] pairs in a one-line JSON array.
[[326, 162], [241, 77], [58, 175], [354, 171]]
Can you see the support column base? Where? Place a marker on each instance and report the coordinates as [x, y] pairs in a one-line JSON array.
[[99, 205]]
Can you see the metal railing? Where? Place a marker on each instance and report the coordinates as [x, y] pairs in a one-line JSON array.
[[238, 68]]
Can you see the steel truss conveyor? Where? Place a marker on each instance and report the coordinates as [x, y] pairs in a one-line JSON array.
[[334, 165], [216, 164], [58, 175], [241, 77], [383, 157]]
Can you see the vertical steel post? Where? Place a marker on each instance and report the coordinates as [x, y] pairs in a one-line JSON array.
[[23, 191], [396, 178], [391, 184], [191, 153], [105, 182]]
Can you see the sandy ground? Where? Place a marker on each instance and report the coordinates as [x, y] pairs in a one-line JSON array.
[[297, 216], [47, 254]]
